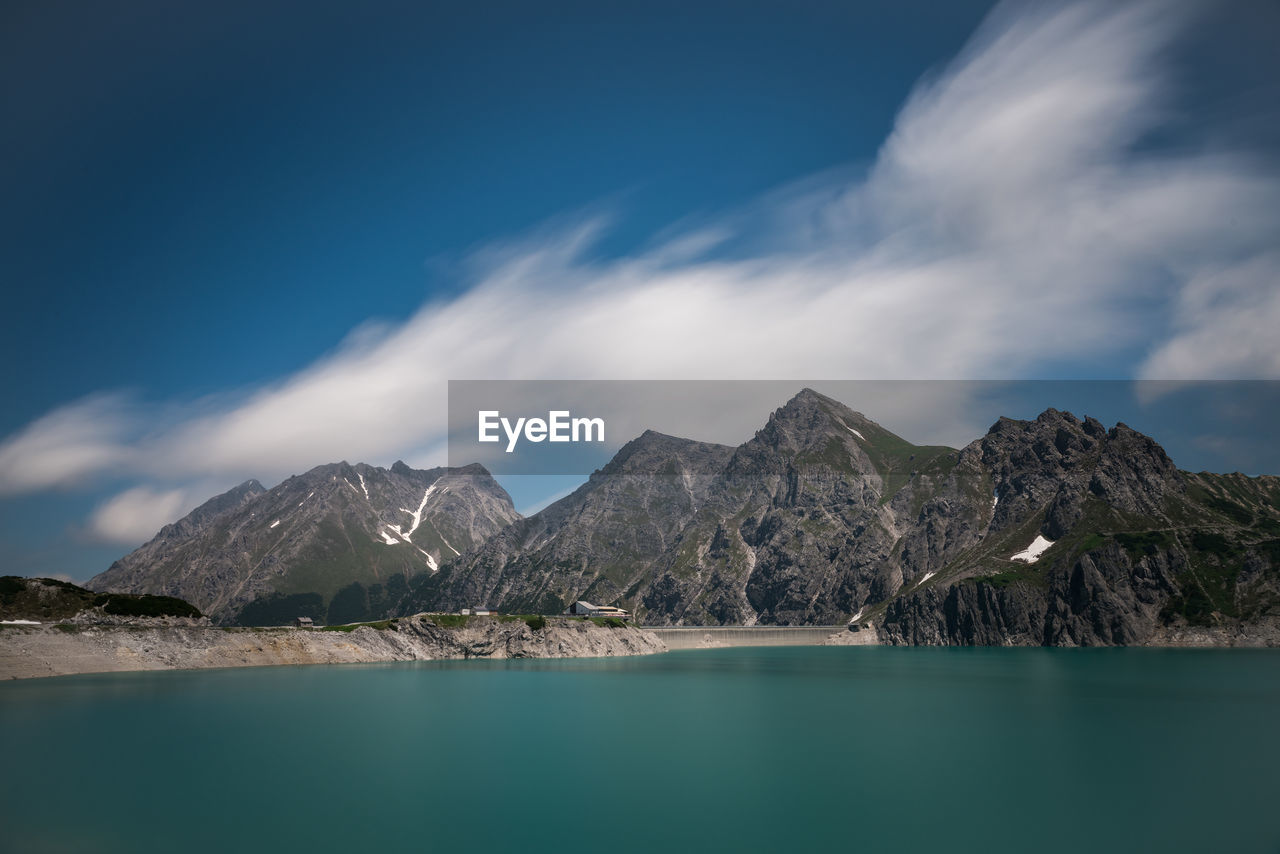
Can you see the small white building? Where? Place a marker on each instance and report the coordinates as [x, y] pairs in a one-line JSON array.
[[481, 611], [583, 608]]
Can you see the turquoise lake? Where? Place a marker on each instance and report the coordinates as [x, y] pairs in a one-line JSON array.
[[769, 749]]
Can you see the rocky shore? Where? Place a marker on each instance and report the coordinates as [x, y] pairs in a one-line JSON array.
[[65, 649]]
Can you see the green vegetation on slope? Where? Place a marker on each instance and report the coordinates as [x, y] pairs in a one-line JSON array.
[[281, 609], [342, 553], [46, 599], [128, 605]]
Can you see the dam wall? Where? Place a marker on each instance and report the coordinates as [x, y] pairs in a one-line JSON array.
[[704, 637]]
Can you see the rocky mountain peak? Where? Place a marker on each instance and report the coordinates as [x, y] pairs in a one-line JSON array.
[[199, 517], [806, 421], [657, 453], [335, 529], [1052, 437], [809, 408], [813, 433], [471, 470], [1058, 460], [1134, 473]]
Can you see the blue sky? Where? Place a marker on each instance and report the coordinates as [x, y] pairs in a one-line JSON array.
[[245, 239]]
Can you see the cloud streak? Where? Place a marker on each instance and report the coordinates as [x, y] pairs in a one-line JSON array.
[[136, 514], [88, 436], [1014, 224]]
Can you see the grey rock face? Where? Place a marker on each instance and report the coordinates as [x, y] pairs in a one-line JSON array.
[[1100, 600], [790, 527], [299, 547], [1139, 548], [596, 543]]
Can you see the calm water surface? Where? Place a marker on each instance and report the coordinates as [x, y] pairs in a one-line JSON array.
[[772, 749]]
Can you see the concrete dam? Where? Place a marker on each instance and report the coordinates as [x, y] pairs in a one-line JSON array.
[[703, 637]]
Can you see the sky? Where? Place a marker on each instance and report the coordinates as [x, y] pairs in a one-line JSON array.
[[244, 239]]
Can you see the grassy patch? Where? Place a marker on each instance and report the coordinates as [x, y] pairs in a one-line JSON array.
[[1233, 511], [1092, 542], [609, 622], [1211, 542], [449, 621], [1000, 580], [342, 552], [1006, 577], [515, 618], [1195, 605], [1208, 587], [1144, 543]]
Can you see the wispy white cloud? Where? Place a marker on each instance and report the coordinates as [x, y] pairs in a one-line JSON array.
[[1013, 223], [136, 514], [88, 436], [1225, 324]]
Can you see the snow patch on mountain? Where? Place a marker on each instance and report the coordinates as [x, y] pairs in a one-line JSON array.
[[447, 544], [1032, 553], [851, 430], [417, 514]]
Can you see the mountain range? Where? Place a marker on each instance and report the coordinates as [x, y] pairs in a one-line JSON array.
[[1054, 531]]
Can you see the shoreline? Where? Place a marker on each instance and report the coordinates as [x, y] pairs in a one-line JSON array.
[[48, 650], [45, 650], [28, 652]]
